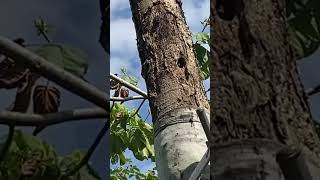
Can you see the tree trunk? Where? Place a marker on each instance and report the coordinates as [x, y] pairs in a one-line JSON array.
[[105, 25], [257, 96], [174, 85]]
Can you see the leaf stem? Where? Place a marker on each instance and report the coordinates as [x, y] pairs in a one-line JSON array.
[[90, 151], [137, 109]]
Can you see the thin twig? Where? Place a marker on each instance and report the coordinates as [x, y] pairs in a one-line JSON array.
[[113, 103], [147, 116], [7, 144], [34, 44], [128, 85], [54, 73], [313, 91], [126, 99], [45, 37], [137, 110], [206, 25], [90, 151], [208, 90], [22, 119]]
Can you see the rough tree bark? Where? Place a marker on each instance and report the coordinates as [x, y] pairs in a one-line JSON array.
[[258, 101], [174, 85]]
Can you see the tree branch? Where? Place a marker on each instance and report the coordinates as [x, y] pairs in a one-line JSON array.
[[126, 99], [313, 91], [54, 73], [22, 119], [128, 85], [7, 144], [136, 112], [90, 151]]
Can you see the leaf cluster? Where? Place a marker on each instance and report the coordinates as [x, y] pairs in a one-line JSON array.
[[129, 131], [49, 165]]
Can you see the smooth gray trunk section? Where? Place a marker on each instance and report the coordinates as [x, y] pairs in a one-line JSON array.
[[179, 145], [246, 160], [253, 160]]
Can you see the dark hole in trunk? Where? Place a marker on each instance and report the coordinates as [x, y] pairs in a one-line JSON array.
[[181, 62]]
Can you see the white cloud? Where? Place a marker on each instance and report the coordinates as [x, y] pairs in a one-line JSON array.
[[123, 38], [116, 63], [196, 11], [117, 5]]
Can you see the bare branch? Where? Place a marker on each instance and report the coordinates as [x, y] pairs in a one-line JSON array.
[[136, 112], [313, 91], [127, 98], [90, 151], [22, 119], [54, 73], [147, 116], [128, 85], [7, 144]]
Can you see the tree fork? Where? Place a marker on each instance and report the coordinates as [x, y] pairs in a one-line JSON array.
[[174, 85]]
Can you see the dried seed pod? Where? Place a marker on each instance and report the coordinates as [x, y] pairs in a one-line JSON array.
[[124, 92], [119, 115], [46, 99], [114, 84], [117, 92]]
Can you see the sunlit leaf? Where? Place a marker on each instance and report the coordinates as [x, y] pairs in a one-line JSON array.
[[202, 37]]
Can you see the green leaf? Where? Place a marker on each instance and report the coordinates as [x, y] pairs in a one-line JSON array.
[[117, 145], [123, 121], [25, 141], [202, 55], [302, 23], [123, 159], [50, 166], [130, 79], [202, 37], [296, 43], [69, 58], [42, 26]]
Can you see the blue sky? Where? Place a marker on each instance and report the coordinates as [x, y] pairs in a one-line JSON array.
[[124, 51]]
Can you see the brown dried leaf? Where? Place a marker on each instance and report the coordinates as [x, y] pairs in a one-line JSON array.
[[46, 99], [24, 91], [11, 74]]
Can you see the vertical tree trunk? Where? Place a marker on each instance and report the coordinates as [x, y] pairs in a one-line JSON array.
[[174, 85], [105, 25], [258, 102]]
